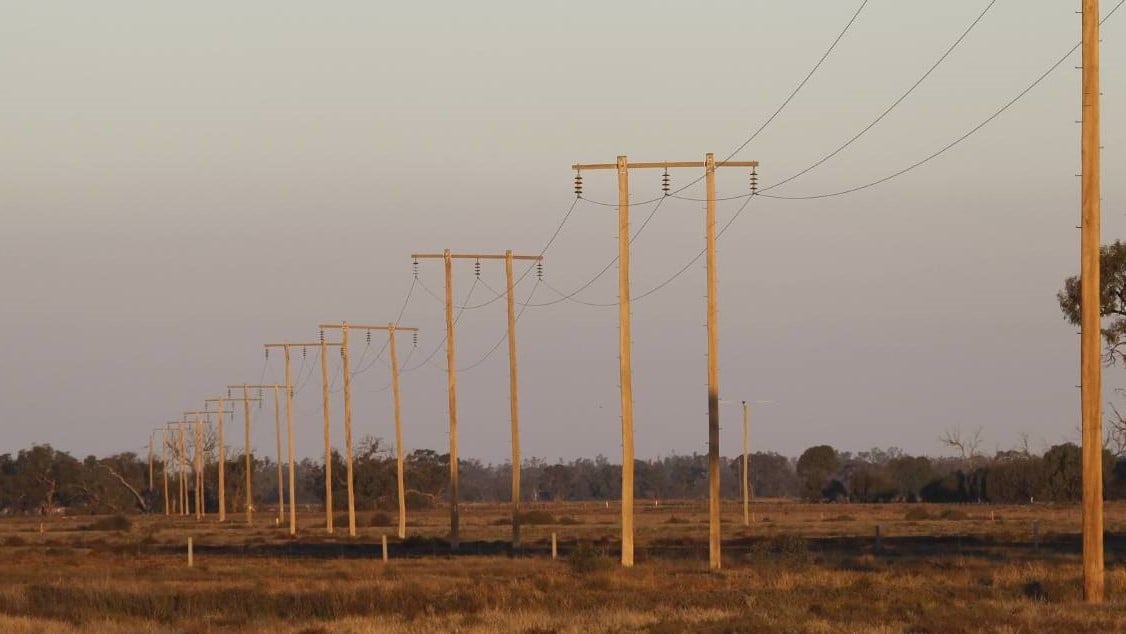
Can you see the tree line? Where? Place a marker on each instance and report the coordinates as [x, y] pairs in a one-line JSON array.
[[43, 480]]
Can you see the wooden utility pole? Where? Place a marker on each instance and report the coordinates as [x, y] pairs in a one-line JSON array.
[[221, 411], [183, 459], [202, 417], [164, 469], [152, 434], [344, 327], [329, 528], [277, 432], [346, 371], [222, 462], [1090, 318], [746, 467], [164, 462], [248, 462], [448, 257], [624, 338], [197, 459], [277, 435], [286, 346]]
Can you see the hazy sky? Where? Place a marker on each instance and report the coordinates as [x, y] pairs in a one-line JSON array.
[[181, 183]]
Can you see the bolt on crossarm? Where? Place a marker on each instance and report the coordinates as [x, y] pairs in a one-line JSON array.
[[344, 327], [448, 257], [286, 347], [623, 166]]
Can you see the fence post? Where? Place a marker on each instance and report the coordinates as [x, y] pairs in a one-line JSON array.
[[384, 548], [190, 562], [554, 547]]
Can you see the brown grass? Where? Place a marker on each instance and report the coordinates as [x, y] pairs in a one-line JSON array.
[[782, 575]]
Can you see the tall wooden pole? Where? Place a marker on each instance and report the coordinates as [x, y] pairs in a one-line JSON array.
[[624, 343], [346, 371], [328, 437], [451, 376], [183, 472], [247, 459], [399, 467], [151, 436], [286, 346], [513, 401], [625, 364], [198, 445], [278, 435], [715, 559], [1090, 353], [746, 464], [222, 466], [164, 469], [448, 257], [289, 432]]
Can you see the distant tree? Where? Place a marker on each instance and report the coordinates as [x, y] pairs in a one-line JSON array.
[[815, 467], [910, 475], [1112, 300], [1014, 477], [1063, 473], [968, 445]]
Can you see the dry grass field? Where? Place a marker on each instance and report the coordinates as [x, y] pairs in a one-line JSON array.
[[798, 568]]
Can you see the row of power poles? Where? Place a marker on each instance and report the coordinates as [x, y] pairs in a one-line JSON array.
[[1093, 582]]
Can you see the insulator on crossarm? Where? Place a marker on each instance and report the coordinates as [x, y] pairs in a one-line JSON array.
[[414, 265], [267, 354], [477, 268], [369, 337], [304, 352], [415, 342], [322, 333], [578, 184], [665, 180], [539, 270], [754, 181]]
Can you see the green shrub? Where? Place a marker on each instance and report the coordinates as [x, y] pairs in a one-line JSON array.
[[585, 559], [379, 518]]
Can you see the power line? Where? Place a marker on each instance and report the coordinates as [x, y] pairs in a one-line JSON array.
[[503, 337], [749, 197], [460, 312], [953, 143], [772, 117], [894, 104], [609, 265]]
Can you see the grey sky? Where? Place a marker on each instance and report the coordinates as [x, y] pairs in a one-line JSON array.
[[181, 183]]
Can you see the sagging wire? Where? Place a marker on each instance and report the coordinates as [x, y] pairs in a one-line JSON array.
[[442, 343]]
